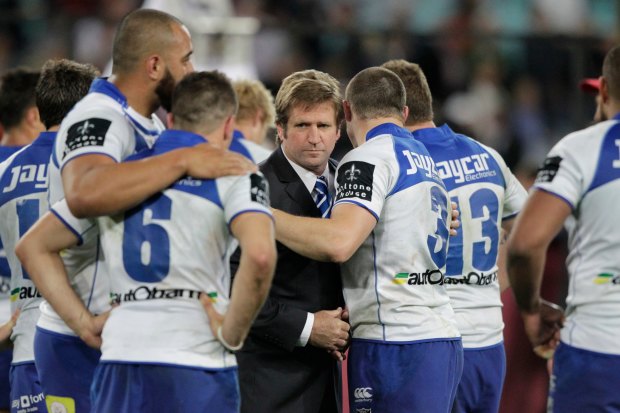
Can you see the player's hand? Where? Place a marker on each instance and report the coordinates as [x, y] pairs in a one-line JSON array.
[[7, 328], [329, 331], [205, 161], [216, 320], [91, 327], [455, 223], [543, 328]]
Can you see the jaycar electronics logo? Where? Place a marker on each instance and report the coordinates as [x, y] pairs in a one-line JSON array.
[[363, 394]]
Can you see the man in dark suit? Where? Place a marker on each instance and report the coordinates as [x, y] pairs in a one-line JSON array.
[[287, 364]]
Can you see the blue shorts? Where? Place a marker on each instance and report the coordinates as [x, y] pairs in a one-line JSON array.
[[411, 377], [6, 356], [66, 366], [26, 392], [131, 388], [480, 389], [584, 381]]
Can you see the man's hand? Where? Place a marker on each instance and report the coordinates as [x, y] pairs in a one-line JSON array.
[[7, 328], [90, 328], [215, 319], [206, 161], [329, 331], [543, 328]]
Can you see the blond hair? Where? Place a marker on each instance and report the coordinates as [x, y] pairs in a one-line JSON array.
[[254, 96]]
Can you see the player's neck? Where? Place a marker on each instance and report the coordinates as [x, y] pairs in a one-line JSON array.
[[138, 96], [421, 125], [364, 126], [18, 136]]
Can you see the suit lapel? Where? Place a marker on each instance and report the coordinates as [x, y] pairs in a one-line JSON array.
[[293, 185]]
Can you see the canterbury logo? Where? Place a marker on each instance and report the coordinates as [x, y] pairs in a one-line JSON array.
[[363, 393]]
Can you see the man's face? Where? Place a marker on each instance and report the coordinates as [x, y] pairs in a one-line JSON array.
[[309, 137], [178, 64]]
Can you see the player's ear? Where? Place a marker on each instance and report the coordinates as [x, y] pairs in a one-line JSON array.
[[155, 67], [346, 107], [405, 113]]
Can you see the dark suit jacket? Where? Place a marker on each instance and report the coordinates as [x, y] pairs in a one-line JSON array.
[[275, 375]]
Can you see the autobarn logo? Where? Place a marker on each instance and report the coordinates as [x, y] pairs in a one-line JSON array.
[[144, 292], [473, 278], [428, 277], [363, 394], [607, 278]]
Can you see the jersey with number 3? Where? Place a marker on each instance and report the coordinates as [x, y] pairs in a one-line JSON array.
[[583, 169], [23, 199], [162, 254], [393, 284], [486, 193]]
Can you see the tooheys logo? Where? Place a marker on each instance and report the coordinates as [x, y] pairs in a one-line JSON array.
[[428, 277], [363, 394], [607, 278]]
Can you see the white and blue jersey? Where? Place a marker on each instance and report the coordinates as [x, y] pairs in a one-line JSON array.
[[393, 284], [5, 270], [486, 193], [249, 149], [583, 169], [162, 254], [101, 123], [23, 199]]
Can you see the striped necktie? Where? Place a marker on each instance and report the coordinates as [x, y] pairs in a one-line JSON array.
[[320, 194]]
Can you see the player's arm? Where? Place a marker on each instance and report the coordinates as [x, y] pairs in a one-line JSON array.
[[335, 239], [502, 272], [537, 224], [252, 281], [97, 185], [39, 252]]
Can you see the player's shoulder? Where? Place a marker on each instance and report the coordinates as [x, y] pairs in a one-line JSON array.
[[99, 109], [586, 140]]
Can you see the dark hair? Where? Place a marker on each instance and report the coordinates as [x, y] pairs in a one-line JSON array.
[[376, 93], [611, 72], [16, 95], [419, 98], [202, 101], [141, 32], [62, 84]]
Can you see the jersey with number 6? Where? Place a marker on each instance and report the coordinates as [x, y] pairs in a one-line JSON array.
[[162, 254], [23, 199], [393, 284], [583, 169], [486, 193], [101, 123]]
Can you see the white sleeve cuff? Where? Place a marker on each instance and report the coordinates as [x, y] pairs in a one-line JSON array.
[[305, 333]]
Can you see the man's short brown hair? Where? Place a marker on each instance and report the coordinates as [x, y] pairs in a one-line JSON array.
[[202, 101], [419, 98], [307, 88], [611, 72], [376, 93], [62, 84], [254, 96]]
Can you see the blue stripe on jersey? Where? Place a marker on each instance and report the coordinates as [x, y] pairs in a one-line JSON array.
[[608, 165], [5, 153], [459, 159], [174, 139], [414, 162], [28, 171], [237, 145]]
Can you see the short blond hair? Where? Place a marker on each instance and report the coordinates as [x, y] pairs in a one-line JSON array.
[[419, 98], [254, 96]]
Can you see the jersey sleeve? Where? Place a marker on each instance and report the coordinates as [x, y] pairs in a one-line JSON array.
[[83, 228], [102, 132], [249, 193], [561, 174], [363, 179], [514, 195]]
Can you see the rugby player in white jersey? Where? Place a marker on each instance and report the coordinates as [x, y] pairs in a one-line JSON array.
[[151, 52], [23, 199], [578, 186], [489, 197], [389, 229], [254, 117]]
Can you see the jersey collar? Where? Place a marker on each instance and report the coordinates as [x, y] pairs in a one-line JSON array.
[[45, 138], [178, 138], [431, 133], [388, 129], [101, 85]]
